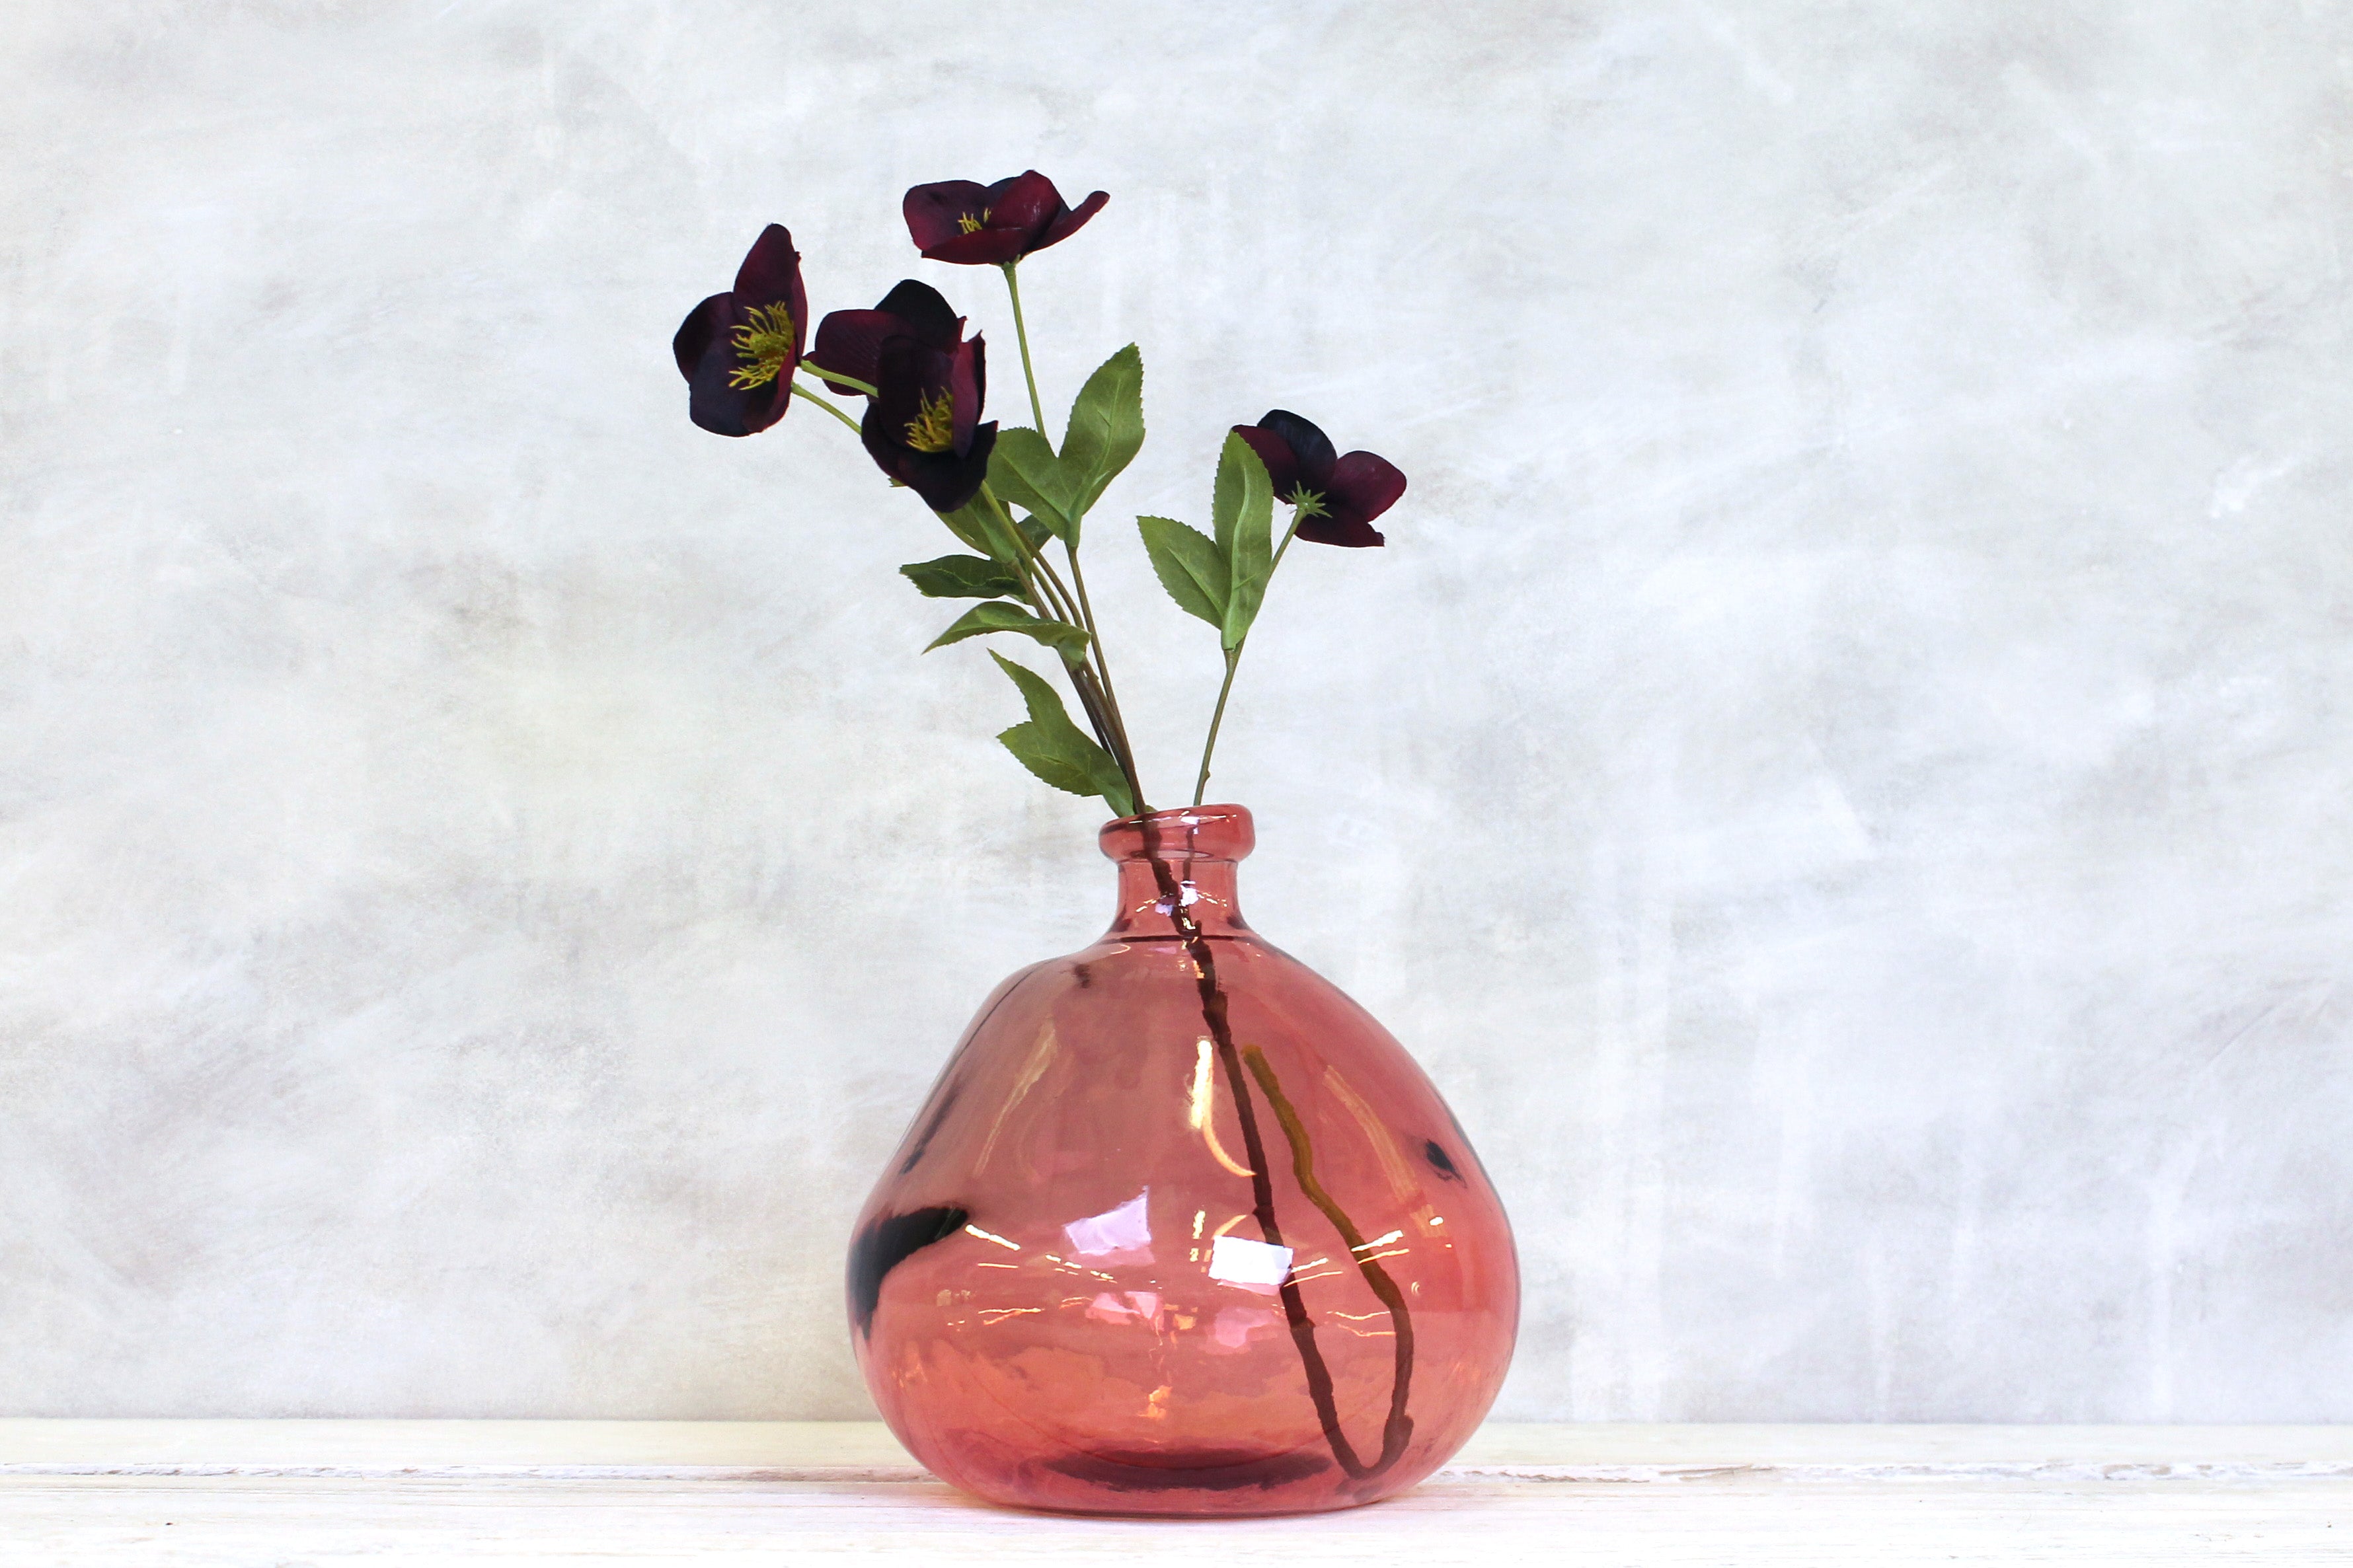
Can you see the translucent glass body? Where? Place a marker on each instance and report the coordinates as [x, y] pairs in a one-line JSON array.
[[1181, 1229]]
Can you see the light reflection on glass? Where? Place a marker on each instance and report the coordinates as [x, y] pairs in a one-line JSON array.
[[1251, 1265], [1122, 1234]]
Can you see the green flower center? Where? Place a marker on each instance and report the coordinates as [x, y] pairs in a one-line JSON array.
[[765, 343], [933, 429], [1309, 503]]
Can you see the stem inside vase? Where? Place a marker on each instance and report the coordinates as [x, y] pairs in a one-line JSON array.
[[1397, 1430]]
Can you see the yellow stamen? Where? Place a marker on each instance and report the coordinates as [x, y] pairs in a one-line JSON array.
[[933, 429], [765, 342], [971, 224]]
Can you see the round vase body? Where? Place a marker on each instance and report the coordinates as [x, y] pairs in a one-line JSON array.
[[1181, 1229]]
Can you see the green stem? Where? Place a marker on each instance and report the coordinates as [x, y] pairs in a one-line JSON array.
[[1094, 687], [1102, 664], [1086, 610], [1289, 534], [1021, 331], [1201, 784], [1084, 615], [1061, 606], [821, 403], [837, 378], [1041, 599], [1233, 662], [1094, 637], [1397, 1430], [1124, 753]]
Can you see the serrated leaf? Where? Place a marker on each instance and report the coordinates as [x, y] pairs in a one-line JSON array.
[[1189, 565], [1023, 470], [1243, 506], [982, 619], [1058, 750], [962, 577], [1106, 429]]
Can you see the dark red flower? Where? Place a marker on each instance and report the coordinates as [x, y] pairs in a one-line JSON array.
[[850, 342], [738, 349], [957, 220], [1338, 497], [922, 425]]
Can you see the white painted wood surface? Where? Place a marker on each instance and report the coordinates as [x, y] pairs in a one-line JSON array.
[[529, 1492]]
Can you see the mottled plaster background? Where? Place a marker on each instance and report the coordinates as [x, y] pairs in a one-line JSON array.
[[1840, 774]]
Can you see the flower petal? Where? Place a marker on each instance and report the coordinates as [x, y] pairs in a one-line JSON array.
[[1272, 450], [883, 437], [771, 275], [1070, 222], [981, 247], [908, 373], [928, 315], [944, 479], [968, 384], [933, 212], [947, 482], [1309, 445], [1334, 531], [1027, 203], [713, 401], [852, 342], [704, 322], [1363, 487]]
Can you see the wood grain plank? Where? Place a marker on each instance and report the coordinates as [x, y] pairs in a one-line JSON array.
[[480, 1493]]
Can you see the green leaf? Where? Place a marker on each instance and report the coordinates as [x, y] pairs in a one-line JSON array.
[[1024, 471], [996, 617], [1226, 498], [962, 577], [970, 522], [1058, 750], [979, 524], [1106, 429], [982, 525], [1243, 506], [1188, 566]]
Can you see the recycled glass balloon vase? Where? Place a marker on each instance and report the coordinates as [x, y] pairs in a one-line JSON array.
[[1181, 1229]]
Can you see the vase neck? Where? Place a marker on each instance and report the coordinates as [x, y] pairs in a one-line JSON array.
[[1172, 860]]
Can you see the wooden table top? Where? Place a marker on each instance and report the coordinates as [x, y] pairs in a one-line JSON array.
[[536, 1492]]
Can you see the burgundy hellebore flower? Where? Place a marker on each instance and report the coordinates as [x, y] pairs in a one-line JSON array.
[[1339, 497], [738, 349], [921, 427], [850, 342], [961, 221]]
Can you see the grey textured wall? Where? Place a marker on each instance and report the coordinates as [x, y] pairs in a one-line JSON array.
[[1840, 774]]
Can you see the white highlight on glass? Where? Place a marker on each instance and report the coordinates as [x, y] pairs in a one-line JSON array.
[[1252, 1265], [1126, 1230]]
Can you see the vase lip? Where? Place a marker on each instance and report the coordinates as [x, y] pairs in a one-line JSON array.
[[1184, 833]]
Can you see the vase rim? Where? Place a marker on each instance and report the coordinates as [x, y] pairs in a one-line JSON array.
[[1183, 833]]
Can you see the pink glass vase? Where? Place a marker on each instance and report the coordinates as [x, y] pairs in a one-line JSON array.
[[1181, 1229]]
